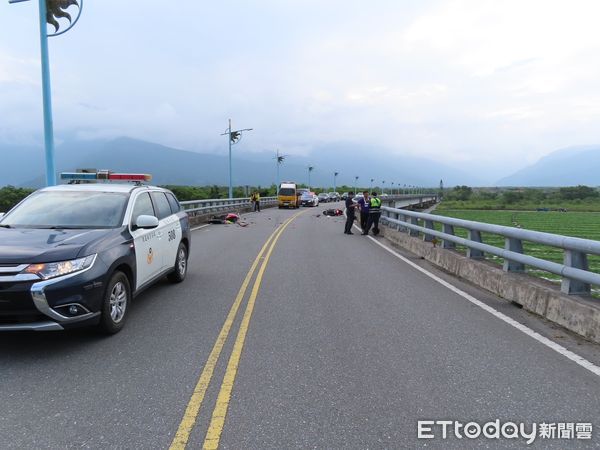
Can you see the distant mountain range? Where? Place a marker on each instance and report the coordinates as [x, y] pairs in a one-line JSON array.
[[565, 167], [24, 166]]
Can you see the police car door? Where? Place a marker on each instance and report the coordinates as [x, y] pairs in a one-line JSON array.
[[146, 242], [170, 228]]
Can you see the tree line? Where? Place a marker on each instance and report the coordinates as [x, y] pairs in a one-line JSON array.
[[11, 195], [487, 197], [503, 197]]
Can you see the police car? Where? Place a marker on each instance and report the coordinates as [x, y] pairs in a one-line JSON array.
[[76, 254]]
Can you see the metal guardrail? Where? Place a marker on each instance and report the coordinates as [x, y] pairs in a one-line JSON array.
[[197, 207], [575, 273]]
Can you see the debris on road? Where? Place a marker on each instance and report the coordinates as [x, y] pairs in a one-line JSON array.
[[333, 212], [224, 219]]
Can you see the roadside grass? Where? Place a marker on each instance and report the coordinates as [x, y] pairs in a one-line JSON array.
[[580, 205], [576, 224]]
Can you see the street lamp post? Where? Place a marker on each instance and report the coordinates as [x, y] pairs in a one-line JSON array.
[[335, 174], [234, 136], [392, 188], [371, 185], [310, 169], [50, 13], [355, 182], [383, 187]]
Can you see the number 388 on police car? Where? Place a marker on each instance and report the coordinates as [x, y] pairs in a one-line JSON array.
[[76, 254]]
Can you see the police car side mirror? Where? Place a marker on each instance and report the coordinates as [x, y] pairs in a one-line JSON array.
[[146, 222]]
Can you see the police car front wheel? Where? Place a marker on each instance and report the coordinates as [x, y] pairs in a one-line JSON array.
[[115, 305]]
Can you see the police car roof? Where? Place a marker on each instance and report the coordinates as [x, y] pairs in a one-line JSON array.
[[97, 187]]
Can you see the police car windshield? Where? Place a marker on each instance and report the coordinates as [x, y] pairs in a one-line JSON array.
[[63, 209]]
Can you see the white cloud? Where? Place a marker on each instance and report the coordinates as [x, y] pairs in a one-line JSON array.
[[18, 70]]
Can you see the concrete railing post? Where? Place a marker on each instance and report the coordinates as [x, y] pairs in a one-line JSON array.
[[514, 245], [473, 253], [577, 260], [413, 221], [429, 226], [402, 219], [397, 217], [448, 229]]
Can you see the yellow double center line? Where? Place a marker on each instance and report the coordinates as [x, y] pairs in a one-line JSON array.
[[218, 417]]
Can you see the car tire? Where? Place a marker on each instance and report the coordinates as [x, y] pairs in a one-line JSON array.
[[116, 303], [180, 268]]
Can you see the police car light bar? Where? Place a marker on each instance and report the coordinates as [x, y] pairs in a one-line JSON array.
[[78, 176], [105, 175]]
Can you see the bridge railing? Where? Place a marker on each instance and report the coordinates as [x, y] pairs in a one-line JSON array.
[[576, 278], [197, 207]]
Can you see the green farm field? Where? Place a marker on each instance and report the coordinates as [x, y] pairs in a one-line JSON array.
[[576, 224]]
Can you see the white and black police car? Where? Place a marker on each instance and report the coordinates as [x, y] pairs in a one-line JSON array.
[[76, 254]]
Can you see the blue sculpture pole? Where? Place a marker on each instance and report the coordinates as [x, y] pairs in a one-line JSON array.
[[234, 137], [278, 162], [230, 170], [46, 86], [47, 98]]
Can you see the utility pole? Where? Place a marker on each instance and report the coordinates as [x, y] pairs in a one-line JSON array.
[[234, 136]]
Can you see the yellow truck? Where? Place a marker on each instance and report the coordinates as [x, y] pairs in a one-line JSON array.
[[287, 196]]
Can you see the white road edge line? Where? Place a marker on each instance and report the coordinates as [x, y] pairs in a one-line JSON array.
[[519, 326], [197, 228]]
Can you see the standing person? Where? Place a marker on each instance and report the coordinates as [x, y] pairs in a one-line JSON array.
[[349, 213], [363, 204], [256, 200], [374, 214]]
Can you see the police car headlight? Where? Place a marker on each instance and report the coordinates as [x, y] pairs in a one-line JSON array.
[[56, 269]]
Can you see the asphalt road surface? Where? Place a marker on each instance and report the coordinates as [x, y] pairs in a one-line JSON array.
[[335, 343]]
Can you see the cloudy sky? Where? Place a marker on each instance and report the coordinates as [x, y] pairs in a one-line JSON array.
[[483, 84]]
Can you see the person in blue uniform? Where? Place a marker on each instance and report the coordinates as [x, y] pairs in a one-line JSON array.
[[350, 207], [363, 204]]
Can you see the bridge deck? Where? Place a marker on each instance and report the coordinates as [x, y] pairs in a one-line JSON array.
[[347, 347]]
